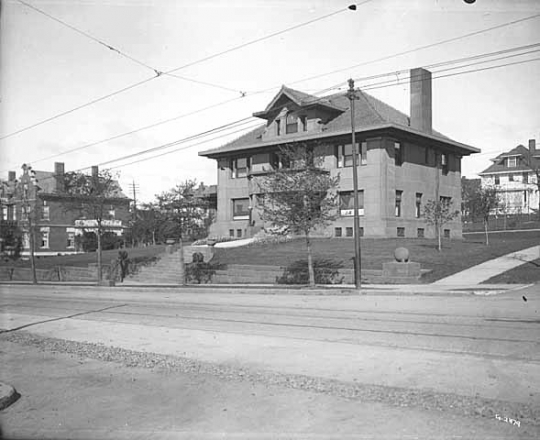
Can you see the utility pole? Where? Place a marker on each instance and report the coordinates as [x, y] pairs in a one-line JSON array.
[[27, 213], [134, 188], [356, 218]]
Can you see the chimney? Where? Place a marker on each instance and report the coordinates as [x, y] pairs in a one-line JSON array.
[[532, 146], [59, 176], [95, 171], [421, 100], [11, 176]]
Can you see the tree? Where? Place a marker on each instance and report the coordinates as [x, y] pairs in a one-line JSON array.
[[469, 191], [437, 214], [184, 214], [11, 239], [300, 196], [90, 196], [482, 202]]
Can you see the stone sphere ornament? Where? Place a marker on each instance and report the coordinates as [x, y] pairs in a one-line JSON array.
[[401, 255]]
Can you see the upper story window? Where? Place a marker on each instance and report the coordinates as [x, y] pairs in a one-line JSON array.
[[345, 155], [399, 196], [291, 123], [497, 180], [239, 167], [525, 177], [45, 212], [511, 162], [278, 127], [279, 161], [346, 203], [398, 153], [303, 123], [418, 205], [444, 163], [510, 177], [45, 239], [112, 212]]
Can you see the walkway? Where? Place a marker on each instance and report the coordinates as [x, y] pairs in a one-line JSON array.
[[483, 272]]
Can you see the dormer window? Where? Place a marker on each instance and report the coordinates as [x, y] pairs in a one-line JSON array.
[[511, 162], [292, 123]]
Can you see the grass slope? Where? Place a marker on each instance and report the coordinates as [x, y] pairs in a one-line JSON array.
[[456, 255]]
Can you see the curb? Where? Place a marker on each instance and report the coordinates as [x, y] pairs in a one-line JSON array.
[[8, 395]]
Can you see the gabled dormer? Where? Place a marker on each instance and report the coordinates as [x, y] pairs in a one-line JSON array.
[[292, 113]]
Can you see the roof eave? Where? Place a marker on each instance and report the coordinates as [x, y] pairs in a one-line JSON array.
[[218, 152]]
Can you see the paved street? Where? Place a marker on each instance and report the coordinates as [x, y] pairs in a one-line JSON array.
[[465, 347]]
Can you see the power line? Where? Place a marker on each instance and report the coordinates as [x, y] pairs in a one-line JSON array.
[[406, 52], [119, 52], [174, 118], [158, 74], [334, 87], [266, 37]]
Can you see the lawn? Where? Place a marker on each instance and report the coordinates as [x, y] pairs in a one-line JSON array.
[[524, 274], [456, 255], [82, 260]]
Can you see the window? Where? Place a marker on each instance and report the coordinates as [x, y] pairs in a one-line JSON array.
[[239, 233], [292, 123], [239, 167], [345, 156], [45, 212], [279, 161], [446, 233], [346, 203], [426, 155], [497, 180], [303, 122], [511, 162], [399, 195], [444, 163], [420, 232], [418, 204], [278, 127], [44, 239], [525, 177], [240, 209], [70, 240], [4, 213], [446, 200], [398, 154], [363, 153], [401, 232], [349, 231], [112, 212], [338, 232], [13, 210], [361, 231], [24, 213], [231, 232], [510, 177]]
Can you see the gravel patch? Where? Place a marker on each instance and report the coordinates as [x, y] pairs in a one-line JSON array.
[[398, 397]]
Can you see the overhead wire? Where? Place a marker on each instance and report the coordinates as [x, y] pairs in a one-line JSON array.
[[158, 73]]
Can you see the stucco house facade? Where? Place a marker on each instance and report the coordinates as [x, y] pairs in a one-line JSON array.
[[402, 163], [41, 195], [515, 175]]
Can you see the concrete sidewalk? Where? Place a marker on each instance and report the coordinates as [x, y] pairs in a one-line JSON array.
[[483, 272]]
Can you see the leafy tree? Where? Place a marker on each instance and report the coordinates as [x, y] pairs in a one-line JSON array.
[[183, 214], [11, 237], [437, 214], [482, 203], [469, 191], [299, 197], [91, 196]]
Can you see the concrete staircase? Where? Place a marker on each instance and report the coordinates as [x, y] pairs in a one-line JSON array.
[[169, 269]]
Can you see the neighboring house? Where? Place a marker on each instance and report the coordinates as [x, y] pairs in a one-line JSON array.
[[515, 175], [40, 197], [403, 162]]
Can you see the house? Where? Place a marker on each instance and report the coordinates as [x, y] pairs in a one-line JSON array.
[[515, 176], [39, 197], [403, 162]]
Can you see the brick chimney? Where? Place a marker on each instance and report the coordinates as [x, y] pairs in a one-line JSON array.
[[11, 176], [95, 171], [59, 176], [532, 146], [421, 115]]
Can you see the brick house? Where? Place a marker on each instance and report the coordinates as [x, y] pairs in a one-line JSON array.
[[403, 162], [515, 179], [41, 194]]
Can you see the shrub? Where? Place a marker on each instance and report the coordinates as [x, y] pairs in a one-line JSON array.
[[326, 272], [200, 272]]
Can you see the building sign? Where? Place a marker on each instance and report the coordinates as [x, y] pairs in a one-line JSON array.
[[350, 212]]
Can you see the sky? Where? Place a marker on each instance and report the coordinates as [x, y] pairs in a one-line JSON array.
[[48, 69]]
